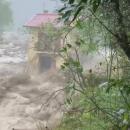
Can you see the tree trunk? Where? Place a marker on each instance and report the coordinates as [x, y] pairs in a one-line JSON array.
[[122, 37]]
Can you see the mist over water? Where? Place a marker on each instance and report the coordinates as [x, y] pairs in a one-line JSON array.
[[21, 93]]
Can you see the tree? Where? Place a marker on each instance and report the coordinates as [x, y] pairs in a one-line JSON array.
[[116, 10], [49, 38], [110, 23], [5, 14]]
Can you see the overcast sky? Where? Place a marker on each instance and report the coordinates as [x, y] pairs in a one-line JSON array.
[[23, 10]]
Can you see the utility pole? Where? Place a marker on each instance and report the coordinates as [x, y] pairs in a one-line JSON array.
[[44, 7]]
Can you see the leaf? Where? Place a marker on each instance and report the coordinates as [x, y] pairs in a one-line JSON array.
[[80, 69], [71, 1], [64, 49], [76, 63], [80, 42], [69, 101], [85, 1], [77, 12], [69, 45], [79, 25], [95, 5], [62, 9], [66, 64], [62, 67], [67, 15]]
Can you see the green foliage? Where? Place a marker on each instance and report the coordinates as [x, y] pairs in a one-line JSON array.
[[115, 16], [95, 102], [5, 14], [86, 34], [98, 110], [49, 38], [97, 24], [77, 6]]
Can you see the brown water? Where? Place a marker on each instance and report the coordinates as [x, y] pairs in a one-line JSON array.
[[27, 102]]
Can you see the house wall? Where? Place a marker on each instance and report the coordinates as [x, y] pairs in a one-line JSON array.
[[38, 61], [33, 58]]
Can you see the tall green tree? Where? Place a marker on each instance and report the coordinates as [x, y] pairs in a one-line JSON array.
[[107, 22], [5, 14], [116, 12]]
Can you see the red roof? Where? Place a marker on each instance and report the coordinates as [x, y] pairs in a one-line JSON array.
[[41, 19]]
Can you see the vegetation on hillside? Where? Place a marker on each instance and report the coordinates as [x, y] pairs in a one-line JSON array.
[[6, 17]]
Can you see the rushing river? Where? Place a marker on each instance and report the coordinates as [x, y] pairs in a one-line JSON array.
[[13, 46], [29, 102], [25, 101]]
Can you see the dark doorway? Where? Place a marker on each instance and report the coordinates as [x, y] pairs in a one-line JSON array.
[[45, 63]]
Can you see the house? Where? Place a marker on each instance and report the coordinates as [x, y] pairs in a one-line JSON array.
[[42, 51]]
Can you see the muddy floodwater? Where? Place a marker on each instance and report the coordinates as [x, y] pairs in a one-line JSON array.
[[27, 102]]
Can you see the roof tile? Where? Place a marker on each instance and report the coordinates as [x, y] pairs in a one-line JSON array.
[[41, 19]]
